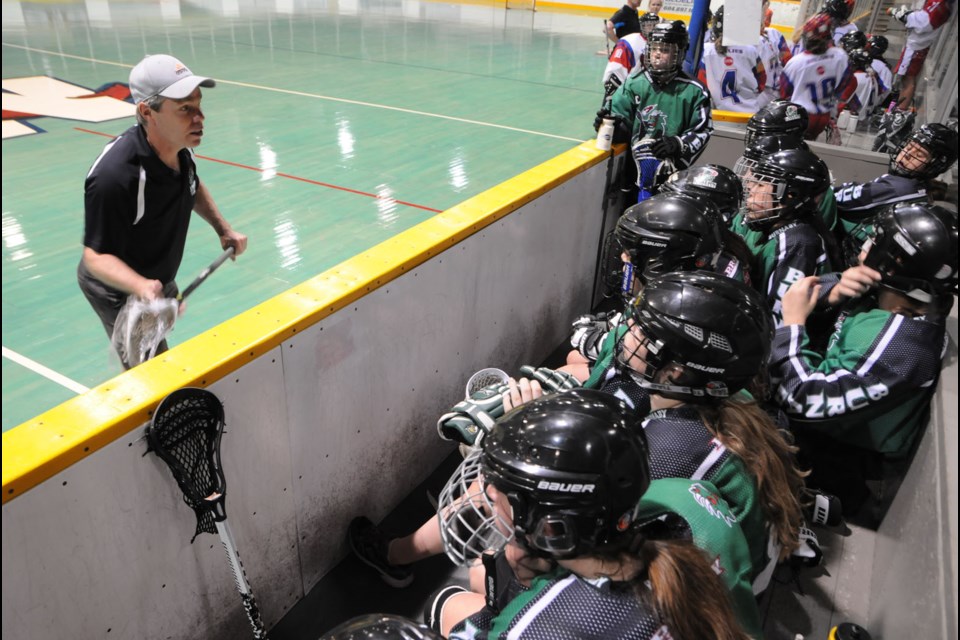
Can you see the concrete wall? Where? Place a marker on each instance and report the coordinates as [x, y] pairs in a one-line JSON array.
[[336, 417], [337, 420]]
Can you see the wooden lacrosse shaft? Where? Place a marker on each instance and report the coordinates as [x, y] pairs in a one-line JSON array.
[[206, 273], [797, 33]]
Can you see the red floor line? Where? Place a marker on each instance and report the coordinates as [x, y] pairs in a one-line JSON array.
[[291, 177]]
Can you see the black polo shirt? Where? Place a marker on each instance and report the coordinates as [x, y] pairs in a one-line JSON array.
[[626, 21], [137, 208]]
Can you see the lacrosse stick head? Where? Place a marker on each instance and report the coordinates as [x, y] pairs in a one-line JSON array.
[[185, 433], [489, 377], [141, 326]]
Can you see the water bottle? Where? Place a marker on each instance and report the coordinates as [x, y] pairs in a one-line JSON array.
[[848, 631], [605, 135], [852, 123], [843, 120]]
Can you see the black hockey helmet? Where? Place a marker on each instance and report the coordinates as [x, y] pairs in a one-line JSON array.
[[717, 27], [938, 140], [839, 10], [853, 40], [669, 232], [763, 146], [797, 178], [647, 22], [860, 59], [666, 47], [573, 466], [914, 247], [777, 118], [380, 626], [818, 33], [877, 45], [712, 183], [716, 330]]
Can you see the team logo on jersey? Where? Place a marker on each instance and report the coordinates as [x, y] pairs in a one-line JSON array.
[[654, 121], [711, 503], [728, 61], [821, 70]]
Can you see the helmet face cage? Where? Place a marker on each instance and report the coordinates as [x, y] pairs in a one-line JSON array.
[[666, 46], [558, 476], [763, 198], [926, 153], [860, 59], [877, 45], [853, 41], [711, 333], [647, 22], [470, 523], [629, 348]]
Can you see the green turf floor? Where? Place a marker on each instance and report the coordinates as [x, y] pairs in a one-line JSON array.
[[330, 130]]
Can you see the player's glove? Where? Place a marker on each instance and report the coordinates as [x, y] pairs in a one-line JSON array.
[[809, 553], [901, 13], [589, 332], [587, 342], [550, 379], [668, 148], [469, 420]]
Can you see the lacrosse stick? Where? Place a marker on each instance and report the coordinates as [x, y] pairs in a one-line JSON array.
[[484, 378], [142, 325], [185, 434]]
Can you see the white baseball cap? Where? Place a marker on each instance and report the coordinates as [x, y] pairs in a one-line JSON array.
[[163, 75]]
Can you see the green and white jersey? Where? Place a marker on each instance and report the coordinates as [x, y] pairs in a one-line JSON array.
[[707, 519], [680, 108], [872, 386], [790, 253]]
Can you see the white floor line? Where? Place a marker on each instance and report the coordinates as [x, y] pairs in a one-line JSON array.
[[47, 373], [317, 96]]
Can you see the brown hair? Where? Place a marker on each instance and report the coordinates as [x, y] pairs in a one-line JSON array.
[[750, 434], [686, 591]]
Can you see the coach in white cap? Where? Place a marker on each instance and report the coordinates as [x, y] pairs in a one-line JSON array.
[[141, 191]]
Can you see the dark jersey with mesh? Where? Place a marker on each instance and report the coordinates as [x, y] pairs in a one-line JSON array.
[[857, 202], [563, 606], [872, 386], [783, 256]]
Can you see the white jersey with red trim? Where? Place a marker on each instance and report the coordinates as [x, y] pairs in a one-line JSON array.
[[736, 78], [866, 95], [814, 81], [774, 53], [842, 30], [924, 23], [884, 79], [625, 57]]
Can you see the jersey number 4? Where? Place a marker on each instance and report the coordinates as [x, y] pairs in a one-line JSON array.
[[728, 86]]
